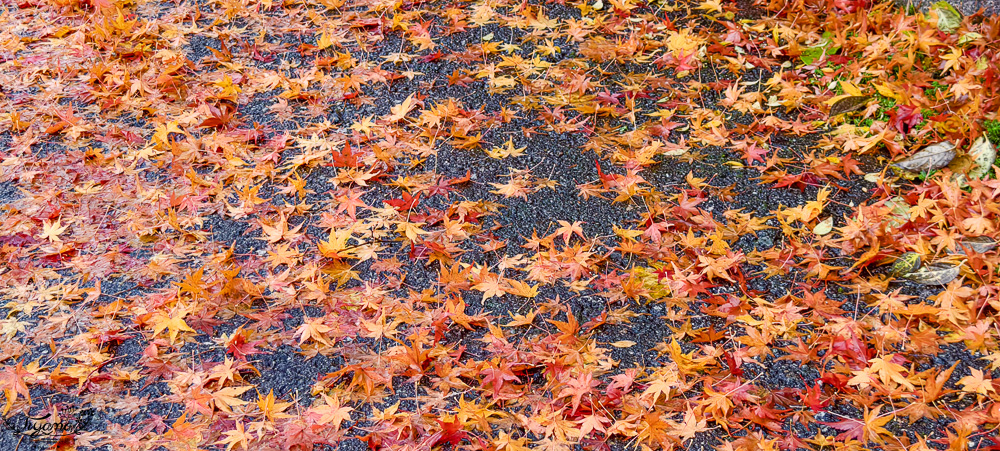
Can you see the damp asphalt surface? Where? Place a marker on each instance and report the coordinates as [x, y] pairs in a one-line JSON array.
[[555, 156]]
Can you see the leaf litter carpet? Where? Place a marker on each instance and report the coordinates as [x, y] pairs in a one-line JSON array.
[[498, 225]]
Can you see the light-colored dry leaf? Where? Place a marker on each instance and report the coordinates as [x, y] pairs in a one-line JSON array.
[[935, 274], [979, 244], [824, 227], [932, 157], [983, 154]]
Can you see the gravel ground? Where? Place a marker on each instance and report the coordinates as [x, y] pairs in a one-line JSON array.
[[967, 7], [556, 156]]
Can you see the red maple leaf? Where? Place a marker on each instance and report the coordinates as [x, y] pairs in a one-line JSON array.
[[734, 369], [451, 432], [904, 118], [346, 158], [754, 153], [608, 180], [239, 347], [498, 375], [445, 185], [406, 203], [811, 397]]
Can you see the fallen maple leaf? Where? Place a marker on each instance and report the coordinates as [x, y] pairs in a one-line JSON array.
[[52, 230], [331, 412], [174, 323], [977, 383], [691, 425], [228, 397], [14, 382]]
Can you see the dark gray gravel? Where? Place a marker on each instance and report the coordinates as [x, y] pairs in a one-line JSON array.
[[967, 7]]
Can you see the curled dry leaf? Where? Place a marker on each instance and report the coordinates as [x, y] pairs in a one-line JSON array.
[[932, 157], [398, 296], [983, 153], [848, 104], [905, 264], [935, 274], [979, 244]]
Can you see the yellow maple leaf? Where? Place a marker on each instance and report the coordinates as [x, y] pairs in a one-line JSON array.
[[270, 408], [850, 88], [521, 320], [365, 126], [683, 42], [873, 429], [163, 131], [518, 288], [313, 328], [324, 41], [52, 230], [951, 60], [507, 151], [412, 230], [398, 112], [710, 5], [336, 245], [888, 371], [660, 386], [691, 426], [228, 397], [173, 324], [888, 91]]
